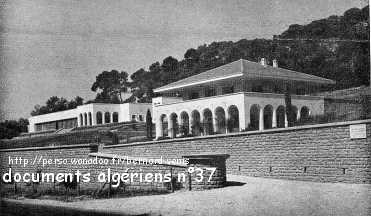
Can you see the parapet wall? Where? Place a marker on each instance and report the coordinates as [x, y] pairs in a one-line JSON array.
[[324, 153]]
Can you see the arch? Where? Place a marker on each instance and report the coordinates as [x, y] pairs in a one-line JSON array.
[[81, 120], [164, 125], [304, 113], [220, 122], [254, 117], [107, 117], [99, 118], [208, 121], [233, 123], [90, 119], [115, 117], [85, 119], [268, 116], [196, 123], [280, 116], [184, 128]]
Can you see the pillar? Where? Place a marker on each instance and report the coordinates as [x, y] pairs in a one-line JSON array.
[[170, 127], [215, 123], [298, 115], [79, 120], [274, 118], [261, 119], [159, 129], [226, 120], [202, 132], [190, 118], [93, 118], [286, 122], [83, 119]]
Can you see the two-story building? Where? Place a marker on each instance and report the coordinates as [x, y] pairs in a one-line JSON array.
[[237, 96]]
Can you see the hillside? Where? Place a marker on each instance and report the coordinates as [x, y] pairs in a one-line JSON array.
[[344, 57]]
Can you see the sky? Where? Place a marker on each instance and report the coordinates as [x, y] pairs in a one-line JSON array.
[[58, 47]]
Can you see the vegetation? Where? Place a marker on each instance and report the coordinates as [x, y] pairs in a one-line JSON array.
[[342, 54], [55, 104], [110, 85], [12, 128], [149, 124]]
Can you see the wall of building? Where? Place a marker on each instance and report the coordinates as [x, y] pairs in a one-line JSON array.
[[323, 153], [50, 117], [86, 115], [244, 101]]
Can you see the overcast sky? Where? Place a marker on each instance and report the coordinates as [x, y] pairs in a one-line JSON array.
[[57, 47]]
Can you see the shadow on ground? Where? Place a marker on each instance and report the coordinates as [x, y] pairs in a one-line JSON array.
[[234, 183]]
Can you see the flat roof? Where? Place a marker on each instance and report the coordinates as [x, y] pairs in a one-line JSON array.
[[246, 69]]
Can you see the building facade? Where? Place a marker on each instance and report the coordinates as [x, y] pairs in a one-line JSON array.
[[90, 115], [241, 95]]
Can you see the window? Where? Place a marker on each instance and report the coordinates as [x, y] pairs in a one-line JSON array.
[[194, 95], [278, 90], [228, 89], [141, 118], [210, 92], [300, 91], [257, 88], [133, 117]]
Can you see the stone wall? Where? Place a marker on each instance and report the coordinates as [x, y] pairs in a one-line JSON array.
[[315, 153], [36, 156], [322, 153]]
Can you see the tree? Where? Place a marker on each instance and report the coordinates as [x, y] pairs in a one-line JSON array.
[[56, 104], [110, 85], [169, 70], [149, 124], [289, 108], [12, 128]]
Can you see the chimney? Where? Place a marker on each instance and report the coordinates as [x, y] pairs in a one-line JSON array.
[[263, 62], [275, 63]]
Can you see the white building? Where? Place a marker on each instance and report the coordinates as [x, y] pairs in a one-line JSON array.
[[236, 96], [88, 115]]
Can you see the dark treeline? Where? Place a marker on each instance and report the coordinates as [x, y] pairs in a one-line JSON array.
[[12, 128], [55, 104], [344, 57]]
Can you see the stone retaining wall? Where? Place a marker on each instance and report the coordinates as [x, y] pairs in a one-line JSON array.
[[323, 153]]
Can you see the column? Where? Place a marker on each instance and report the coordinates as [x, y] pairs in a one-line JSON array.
[[93, 118], [190, 123], [298, 115], [103, 118], [180, 124], [159, 129], [226, 120], [111, 117], [215, 124], [170, 127], [274, 118], [286, 122], [202, 132], [83, 119], [261, 119], [78, 120]]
